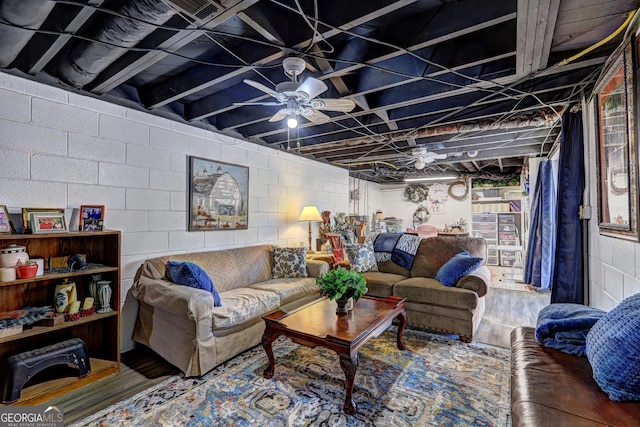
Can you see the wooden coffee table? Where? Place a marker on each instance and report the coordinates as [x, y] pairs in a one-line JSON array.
[[318, 324]]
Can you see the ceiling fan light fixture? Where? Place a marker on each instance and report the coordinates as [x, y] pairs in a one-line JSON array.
[[292, 121], [420, 164]]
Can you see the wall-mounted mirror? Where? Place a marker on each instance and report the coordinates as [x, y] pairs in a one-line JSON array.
[[617, 158]]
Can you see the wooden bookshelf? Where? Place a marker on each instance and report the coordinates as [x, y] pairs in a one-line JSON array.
[[99, 331]]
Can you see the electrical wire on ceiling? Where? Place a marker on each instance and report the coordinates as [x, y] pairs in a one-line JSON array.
[[230, 52], [391, 138], [257, 66], [265, 43], [370, 162], [532, 75], [314, 28], [514, 92], [299, 11], [426, 61]]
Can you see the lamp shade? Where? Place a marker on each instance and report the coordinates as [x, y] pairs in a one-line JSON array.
[[310, 213]]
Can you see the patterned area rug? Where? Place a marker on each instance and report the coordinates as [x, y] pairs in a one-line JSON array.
[[439, 381], [504, 278]]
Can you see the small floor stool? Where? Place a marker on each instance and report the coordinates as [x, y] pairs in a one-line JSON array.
[[23, 366]]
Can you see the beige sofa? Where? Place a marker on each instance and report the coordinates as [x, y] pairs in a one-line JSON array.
[[431, 305], [182, 325]]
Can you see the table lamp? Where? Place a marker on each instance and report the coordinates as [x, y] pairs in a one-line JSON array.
[[310, 213]]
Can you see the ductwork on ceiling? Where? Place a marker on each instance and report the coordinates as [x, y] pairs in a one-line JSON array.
[[21, 13], [88, 59], [541, 119]]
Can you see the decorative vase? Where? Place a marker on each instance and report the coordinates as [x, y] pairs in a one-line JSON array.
[[93, 287], [104, 295], [342, 306]]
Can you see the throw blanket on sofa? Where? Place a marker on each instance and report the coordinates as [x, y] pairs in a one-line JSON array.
[[399, 248], [564, 326]]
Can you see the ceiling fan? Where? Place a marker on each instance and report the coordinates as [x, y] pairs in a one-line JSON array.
[[422, 157], [300, 98]]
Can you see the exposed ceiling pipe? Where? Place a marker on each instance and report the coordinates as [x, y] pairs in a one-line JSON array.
[[88, 59], [540, 120], [537, 122], [21, 13]]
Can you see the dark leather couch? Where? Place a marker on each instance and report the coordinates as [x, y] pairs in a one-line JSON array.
[[552, 388]]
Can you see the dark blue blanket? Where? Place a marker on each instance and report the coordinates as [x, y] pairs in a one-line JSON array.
[[564, 326], [397, 247]]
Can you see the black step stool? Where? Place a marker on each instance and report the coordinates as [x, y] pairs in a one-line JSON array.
[[23, 366]]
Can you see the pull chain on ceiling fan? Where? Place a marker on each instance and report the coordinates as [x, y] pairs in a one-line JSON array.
[[300, 98]]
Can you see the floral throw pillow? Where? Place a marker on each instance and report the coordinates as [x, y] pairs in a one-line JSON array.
[[289, 263], [361, 257]]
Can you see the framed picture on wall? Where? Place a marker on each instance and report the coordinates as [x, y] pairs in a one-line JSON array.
[[218, 195], [617, 150]]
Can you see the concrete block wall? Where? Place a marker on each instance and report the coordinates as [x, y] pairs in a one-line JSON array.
[[614, 263], [62, 149]]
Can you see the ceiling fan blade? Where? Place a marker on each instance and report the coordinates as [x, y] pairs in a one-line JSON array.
[[331, 104], [310, 88], [315, 117], [279, 115], [261, 87], [258, 103], [432, 157]]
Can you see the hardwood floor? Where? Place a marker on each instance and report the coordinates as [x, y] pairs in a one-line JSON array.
[[506, 309], [141, 368]]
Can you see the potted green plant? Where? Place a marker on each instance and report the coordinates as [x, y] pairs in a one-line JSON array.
[[340, 285]]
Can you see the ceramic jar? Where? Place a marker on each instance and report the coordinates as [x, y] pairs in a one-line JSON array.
[[12, 255]]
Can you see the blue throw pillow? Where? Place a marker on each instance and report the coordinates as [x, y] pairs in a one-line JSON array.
[[613, 350], [458, 266], [192, 275]]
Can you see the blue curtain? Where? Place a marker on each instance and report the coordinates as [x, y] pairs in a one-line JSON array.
[[568, 273], [542, 232]]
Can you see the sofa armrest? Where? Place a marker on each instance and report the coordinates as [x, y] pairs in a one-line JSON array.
[[184, 301], [317, 268], [478, 281]]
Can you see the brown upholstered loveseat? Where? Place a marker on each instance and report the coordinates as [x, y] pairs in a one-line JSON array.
[[552, 388], [431, 305]]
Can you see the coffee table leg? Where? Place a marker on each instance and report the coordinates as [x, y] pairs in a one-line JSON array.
[[402, 319], [267, 338], [349, 364]]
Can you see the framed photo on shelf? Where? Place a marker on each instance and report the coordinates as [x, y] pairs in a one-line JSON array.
[[48, 222], [26, 216], [6, 226], [218, 195], [92, 217]]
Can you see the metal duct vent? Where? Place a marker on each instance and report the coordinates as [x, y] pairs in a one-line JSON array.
[[200, 10]]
